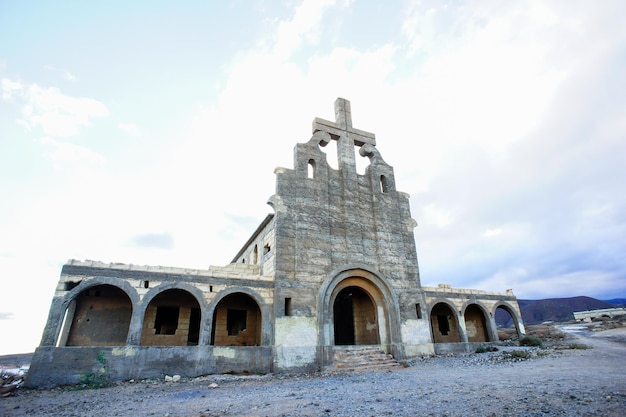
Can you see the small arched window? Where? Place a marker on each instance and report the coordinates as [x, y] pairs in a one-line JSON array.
[[311, 169], [384, 184]]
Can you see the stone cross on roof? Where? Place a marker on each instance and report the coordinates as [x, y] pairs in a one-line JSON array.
[[342, 126]]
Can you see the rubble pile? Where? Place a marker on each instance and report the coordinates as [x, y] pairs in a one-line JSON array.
[[10, 380]]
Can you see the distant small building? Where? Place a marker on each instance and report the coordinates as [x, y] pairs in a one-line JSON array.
[[334, 266], [590, 315]]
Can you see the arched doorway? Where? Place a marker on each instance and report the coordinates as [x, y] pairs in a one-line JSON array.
[[509, 326], [172, 319], [355, 320], [236, 321], [475, 324], [98, 316], [444, 324]]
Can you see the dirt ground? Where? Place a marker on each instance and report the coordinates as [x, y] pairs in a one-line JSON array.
[[553, 381]]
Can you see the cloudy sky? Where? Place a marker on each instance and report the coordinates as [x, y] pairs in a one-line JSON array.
[[148, 133]]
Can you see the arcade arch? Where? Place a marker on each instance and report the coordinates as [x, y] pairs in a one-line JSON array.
[[172, 318], [476, 324], [237, 321], [507, 319], [97, 316], [444, 324]]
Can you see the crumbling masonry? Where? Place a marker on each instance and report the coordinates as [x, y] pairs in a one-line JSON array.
[[335, 265]]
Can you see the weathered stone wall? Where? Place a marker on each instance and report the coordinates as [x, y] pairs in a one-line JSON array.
[[328, 221], [69, 365]]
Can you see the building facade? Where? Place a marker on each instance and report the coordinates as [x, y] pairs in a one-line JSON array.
[[334, 265]]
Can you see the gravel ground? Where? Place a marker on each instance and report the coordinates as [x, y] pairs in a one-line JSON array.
[[552, 382]]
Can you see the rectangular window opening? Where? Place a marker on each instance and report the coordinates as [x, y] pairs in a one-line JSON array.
[[444, 325], [288, 306], [146, 284], [236, 321], [194, 327], [210, 288], [166, 321], [418, 310]]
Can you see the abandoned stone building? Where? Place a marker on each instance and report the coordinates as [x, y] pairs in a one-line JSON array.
[[334, 266]]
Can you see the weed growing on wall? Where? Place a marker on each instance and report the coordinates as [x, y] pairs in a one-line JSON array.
[[98, 379]]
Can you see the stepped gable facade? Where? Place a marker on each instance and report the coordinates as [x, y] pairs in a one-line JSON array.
[[333, 267]]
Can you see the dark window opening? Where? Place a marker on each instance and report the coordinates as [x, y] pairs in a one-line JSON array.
[[266, 249], [418, 310], [243, 260], [146, 284], [71, 285], [384, 186], [287, 306], [236, 321], [194, 327], [444, 325], [210, 288], [311, 169], [256, 254], [166, 321]]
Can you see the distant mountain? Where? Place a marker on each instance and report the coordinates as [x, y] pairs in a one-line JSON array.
[[617, 301], [551, 309]]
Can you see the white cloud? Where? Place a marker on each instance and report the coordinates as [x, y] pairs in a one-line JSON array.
[[57, 114], [130, 129], [492, 232], [62, 153], [64, 73], [11, 88], [303, 27]]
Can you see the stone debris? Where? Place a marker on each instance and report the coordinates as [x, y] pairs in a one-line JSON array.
[[11, 379]]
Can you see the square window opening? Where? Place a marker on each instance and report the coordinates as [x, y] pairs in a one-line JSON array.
[[166, 321], [236, 321]]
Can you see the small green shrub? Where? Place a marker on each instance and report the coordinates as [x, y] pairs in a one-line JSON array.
[[578, 346], [530, 341], [98, 379], [519, 354], [483, 349]]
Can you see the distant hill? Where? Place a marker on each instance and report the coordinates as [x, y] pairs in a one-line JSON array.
[[617, 301], [552, 309]]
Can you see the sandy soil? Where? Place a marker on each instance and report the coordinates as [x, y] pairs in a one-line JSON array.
[[552, 382]]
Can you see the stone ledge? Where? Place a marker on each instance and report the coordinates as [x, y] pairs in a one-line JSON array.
[[235, 270]]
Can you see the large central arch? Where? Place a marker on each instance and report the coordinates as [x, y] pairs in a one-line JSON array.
[[372, 308], [355, 320]]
